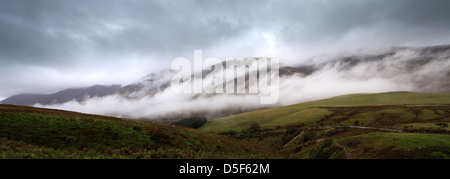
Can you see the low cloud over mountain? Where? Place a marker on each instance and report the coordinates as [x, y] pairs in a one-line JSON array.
[[424, 69]]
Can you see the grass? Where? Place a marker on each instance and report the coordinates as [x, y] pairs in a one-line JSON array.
[[399, 145], [422, 126], [311, 111], [428, 115], [390, 98], [27, 132], [414, 113]]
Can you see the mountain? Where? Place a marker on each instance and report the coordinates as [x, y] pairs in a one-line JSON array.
[[29, 132], [416, 69], [148, 85], [402, 59], [20, 99], [78, 94], [381, 125]]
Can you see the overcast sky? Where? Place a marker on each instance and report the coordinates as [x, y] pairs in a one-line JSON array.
[[46, 46]]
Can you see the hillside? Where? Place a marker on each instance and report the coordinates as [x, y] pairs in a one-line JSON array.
[[385, 125], [27, 132], [63, 96], [20, 99]]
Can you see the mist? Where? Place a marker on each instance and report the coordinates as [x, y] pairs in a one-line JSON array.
[[425, 70]]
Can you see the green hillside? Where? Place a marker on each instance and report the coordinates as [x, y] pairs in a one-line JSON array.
[[27, 132], [385, 125]]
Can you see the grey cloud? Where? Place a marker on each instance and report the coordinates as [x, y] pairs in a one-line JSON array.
[[55, 31], [395, 22]]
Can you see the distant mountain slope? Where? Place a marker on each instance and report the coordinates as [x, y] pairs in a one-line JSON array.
[[383, 125], [391, 63], [78, 94], [147, 86], [20, 99], [28, 132]]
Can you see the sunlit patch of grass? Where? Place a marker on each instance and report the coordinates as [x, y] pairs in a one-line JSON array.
[[427, 115]]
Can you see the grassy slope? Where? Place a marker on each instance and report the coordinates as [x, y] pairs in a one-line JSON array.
[[27, 132], [306, 130], [313, 111]]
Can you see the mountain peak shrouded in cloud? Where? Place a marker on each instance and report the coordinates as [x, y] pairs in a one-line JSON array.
[[416, 69], [47, 46]]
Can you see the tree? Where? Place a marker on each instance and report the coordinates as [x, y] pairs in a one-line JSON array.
[[254, 127], [442, 125], [307, 135], [192, 122]]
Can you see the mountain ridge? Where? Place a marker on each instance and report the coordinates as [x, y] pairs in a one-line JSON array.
[[66, 95], [417, 69]]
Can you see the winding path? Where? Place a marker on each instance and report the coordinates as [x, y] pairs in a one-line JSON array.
[[346, 150], [375, 128]]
